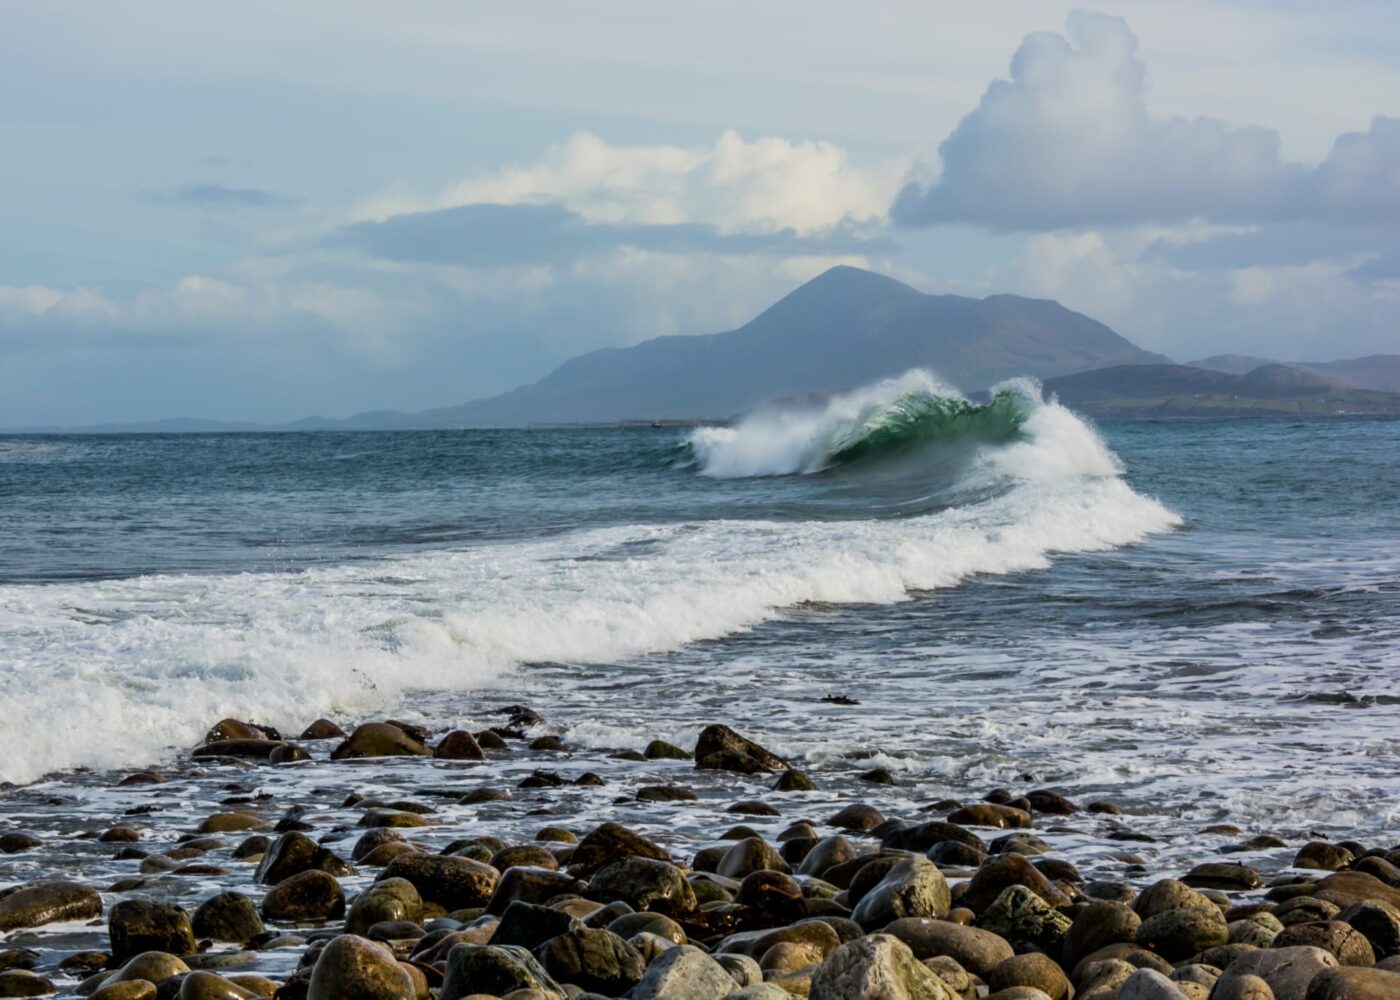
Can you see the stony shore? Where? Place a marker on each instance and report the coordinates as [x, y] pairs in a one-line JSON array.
[[400, 863]]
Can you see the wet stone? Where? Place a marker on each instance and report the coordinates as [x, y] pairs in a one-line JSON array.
[[494, 971], [450, 882], [380, 739], [665, 793], [593, 959], [645, 884], [141, 925], [306, 897], [859, 817], [353, 967], [23, 983], [228, 916]]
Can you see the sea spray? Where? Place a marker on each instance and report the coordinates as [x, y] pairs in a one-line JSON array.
[[884, 421], [148, 661]]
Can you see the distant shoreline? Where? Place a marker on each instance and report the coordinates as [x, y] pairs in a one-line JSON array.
[[1094, 413]]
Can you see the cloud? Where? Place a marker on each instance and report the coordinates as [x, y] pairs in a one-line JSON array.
[[491, 236], [1360, 179], [1068, 142], [232, 197], [200, 311], [767, 185], [1382, 267], [28, 300], [336, 333], [1280, 244], [1297, 309]]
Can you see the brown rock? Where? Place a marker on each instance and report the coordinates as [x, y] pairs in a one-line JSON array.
[[719, 739], [750, 855], [1102, 922], [1001, 871], [991, 814], [34, 904], [459, 745], [322, 729], [230, 822], [1033, 969], [1347, 944], [450, 882], [1354, 984], [1322, 856], [645, 884], [913, 887], [976, 950], [875, 968], [136, 989], [306, 896], [353, 968], [15, 843], [1379, 923], [137, 926], [608, 843], [1288, 971], [379, 739], [859, 817], [255, 749], [233, 729], [1345, 888]]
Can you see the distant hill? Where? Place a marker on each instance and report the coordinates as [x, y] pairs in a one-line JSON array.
[[1376, 371], [842, 329], [1186, 390], [848, 327]]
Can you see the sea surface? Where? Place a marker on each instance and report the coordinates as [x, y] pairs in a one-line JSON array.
[[1198, 619]]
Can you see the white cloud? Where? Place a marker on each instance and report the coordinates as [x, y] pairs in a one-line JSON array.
[[736, 185], [1068, 141], [1310, 310], [32, 300], [200, 308]]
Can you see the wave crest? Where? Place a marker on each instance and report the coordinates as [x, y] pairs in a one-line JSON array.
[[881, 421]]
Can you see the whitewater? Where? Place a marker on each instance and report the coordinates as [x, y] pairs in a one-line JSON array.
[[119, 670], [1197, 619]]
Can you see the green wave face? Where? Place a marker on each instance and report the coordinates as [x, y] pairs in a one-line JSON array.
[[917, 420]]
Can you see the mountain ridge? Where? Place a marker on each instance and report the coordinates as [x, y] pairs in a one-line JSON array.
[[1270, 389], [1380, 372], [844, 328]]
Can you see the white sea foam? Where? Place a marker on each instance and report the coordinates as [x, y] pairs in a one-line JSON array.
[[111, 674], [784, 440]]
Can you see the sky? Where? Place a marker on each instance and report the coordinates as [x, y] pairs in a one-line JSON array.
[[264, 211]]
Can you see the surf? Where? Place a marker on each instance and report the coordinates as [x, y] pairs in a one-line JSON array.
[[879, 423], [148, 660]]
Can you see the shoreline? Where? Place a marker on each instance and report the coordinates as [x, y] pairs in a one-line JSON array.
[[730, 853]]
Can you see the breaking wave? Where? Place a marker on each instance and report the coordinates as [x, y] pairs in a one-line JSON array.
[[148, 662], [880, 422]]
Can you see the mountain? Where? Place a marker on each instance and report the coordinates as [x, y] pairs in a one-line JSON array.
[[1377, 371], [1185, 390], [848, 327], [842, 329], [1231, 364]]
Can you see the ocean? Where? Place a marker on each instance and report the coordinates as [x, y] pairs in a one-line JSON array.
[[1199, 619]]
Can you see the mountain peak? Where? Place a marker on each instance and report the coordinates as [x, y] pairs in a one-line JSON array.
[[846, 284], [844, 328]]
